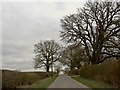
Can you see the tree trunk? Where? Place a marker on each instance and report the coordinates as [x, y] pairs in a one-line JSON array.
[[47, 68], [71, 68], [95, 59]]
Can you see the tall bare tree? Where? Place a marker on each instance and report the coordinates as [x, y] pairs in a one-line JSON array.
[[97, 27], [46, 53]]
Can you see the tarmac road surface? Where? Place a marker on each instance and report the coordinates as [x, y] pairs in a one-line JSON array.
[[64, 81]]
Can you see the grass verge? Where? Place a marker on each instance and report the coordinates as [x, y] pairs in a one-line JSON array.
[[91, 83], [43, 84]]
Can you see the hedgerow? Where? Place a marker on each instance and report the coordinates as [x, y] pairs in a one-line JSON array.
[[107, 72]]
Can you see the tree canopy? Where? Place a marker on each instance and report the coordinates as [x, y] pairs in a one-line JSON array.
[[73, 56], [46, 53], [97, 27]]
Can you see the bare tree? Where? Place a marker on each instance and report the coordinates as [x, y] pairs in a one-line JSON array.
[[96, 26], [46, 53], [73, 56], [58, 68]]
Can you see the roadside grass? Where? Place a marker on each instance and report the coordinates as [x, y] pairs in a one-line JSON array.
[[91, 83], [42, 84]]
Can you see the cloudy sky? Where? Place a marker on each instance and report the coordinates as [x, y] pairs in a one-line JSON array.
[[25, 24]]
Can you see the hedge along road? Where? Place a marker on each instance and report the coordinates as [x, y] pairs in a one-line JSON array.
[[64, 81]]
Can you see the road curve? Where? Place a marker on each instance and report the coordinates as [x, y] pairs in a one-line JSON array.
[[64, 81]]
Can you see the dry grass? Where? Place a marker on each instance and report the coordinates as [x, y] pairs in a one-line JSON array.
[[13, 79]]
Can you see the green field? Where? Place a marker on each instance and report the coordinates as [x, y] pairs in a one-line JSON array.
[[91, 83]]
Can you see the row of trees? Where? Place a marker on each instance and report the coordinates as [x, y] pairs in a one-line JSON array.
[[48, 52], [92, 35]]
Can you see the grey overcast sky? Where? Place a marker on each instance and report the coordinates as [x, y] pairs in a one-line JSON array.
[[25, 24]]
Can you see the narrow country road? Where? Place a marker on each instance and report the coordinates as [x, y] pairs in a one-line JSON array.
[[64, 81]]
